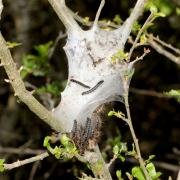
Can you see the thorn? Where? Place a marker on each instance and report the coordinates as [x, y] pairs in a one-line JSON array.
[[7, 80], [20, 69], [32, 92]]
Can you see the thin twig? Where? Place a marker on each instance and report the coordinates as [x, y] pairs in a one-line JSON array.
[[1, 8], [26, 161], [141, 161], [98, 13], [164, 52], [138, 36], [165, 44], [146, 51], [53, 48], [149, 93], [178, 176], [111, 161], [9, 150], [33, 170]]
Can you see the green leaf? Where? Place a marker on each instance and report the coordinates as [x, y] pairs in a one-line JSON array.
[[2, 165], [133, 152], [65, 140], [143, 39], [174, 93], [37, 64], [85, 20], [117, 19], [152, 171], [43, 49], [136, 26], [46, 141], [178, 11], [120, 55], [137, 173], [150, 158], [119, 175], [13, 44], [116, 150], [162, 6], [122, 158]]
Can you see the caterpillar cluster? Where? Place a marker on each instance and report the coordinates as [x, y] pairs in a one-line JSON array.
[[85, 137]]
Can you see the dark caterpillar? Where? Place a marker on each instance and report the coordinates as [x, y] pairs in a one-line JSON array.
[[80, 83], [94, 88]]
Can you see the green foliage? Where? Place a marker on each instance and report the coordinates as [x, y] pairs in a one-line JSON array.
[[119, 56], [174, 93], [2, 165], [137, 173], [119, 175], [118, 114], [136, 27], [152, 171], [53, 88], [86, 20], [117, 19], [65, 151], [13, 44], [149, 159], [37, 65], [178, 11], [163, 6]]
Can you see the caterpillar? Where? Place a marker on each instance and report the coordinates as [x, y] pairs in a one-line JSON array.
[[93, 89], [80, 83]]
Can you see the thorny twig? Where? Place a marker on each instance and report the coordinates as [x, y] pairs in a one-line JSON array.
[[129, 121], [165, 44], [26, 161], [163, 51], [146, 51], [138, 36]]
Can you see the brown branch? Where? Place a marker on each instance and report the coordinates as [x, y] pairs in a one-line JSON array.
[[9, 150], [33, 170], [65, 16], [1, 8], [98, 13], [138, 36], [26, 161], [163, 51], [149, 93], [126, 28], [20, 90], [165, 44]]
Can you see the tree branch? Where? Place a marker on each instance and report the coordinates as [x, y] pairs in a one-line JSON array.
[[65, 16], [1, 8], [164, 52], [26, 161], [20, 90], [98, 13], [138, 36], [136, 12]]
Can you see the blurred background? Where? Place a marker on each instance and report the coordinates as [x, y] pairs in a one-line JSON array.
[[155, 117]]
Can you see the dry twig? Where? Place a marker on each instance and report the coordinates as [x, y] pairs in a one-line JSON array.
[[26, 161]]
